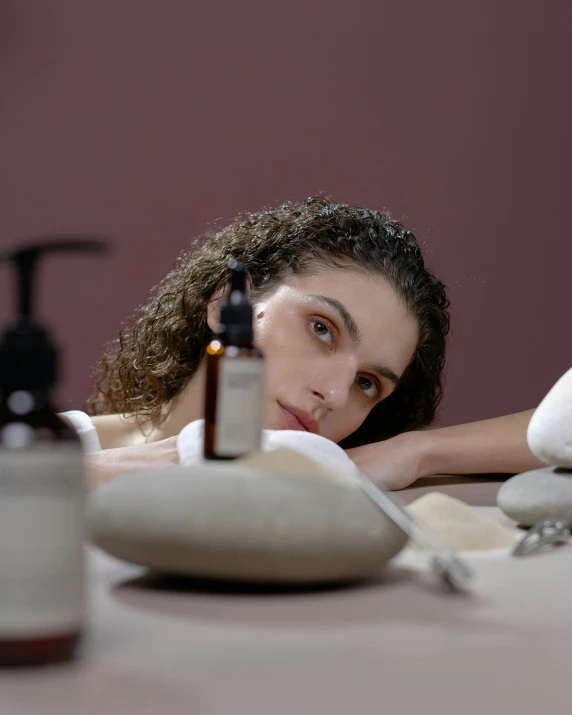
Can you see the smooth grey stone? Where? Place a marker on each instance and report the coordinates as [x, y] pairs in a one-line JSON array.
[[549, 433], [230, 522], [540, 494]]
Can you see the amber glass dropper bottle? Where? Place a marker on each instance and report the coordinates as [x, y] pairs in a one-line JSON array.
[[234, 396]]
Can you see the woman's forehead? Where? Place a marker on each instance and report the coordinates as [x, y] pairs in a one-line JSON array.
[[353, 285]]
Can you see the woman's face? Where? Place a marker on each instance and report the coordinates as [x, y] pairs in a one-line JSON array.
[[334, 344]]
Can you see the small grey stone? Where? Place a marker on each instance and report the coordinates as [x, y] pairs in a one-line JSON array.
[[540, 494], [549, 432], [230, 522]]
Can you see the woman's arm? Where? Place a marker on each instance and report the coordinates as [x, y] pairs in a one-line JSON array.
[[494, 445], [109, 464], [489, 446]]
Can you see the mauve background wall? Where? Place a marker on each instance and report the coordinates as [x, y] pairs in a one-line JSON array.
[[148, 119]]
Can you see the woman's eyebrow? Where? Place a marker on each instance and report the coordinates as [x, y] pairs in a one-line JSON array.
[[354, 332], [386, 372], [349, 323]]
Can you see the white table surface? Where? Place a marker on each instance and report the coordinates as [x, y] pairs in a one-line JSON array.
[[396, 645]]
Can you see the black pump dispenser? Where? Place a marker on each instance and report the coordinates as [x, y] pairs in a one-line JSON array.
[[236, 312], [28, 359]]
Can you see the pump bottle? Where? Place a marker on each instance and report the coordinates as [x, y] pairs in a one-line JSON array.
[[234, 396], [42, 493]]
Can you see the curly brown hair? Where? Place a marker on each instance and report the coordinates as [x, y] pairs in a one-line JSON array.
[[163, 344]]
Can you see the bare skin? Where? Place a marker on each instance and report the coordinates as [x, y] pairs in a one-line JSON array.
[[110, 463]]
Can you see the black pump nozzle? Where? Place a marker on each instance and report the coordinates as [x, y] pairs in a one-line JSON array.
[[236, 312], [26, 258], [238, 276], [27, 357]]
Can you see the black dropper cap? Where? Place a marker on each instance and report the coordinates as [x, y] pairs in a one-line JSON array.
[[236, 313], [28, 358]]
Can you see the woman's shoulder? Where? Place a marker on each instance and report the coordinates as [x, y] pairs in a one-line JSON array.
[[104, 431], [118, 431]]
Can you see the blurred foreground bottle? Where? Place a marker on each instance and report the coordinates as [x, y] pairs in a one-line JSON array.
[[42, 490]]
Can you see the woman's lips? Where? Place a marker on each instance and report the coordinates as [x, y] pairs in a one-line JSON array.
[[298, 419]]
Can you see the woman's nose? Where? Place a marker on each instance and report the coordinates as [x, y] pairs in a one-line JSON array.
[[332, 380]]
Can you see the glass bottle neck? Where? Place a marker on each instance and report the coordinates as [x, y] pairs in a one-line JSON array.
[[240, 338]]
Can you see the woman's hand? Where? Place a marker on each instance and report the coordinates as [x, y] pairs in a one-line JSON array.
[[493, 446], [110, 463], [394, 463]]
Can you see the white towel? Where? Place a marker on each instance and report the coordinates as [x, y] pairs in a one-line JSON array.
[[320, 449], [85, 428]]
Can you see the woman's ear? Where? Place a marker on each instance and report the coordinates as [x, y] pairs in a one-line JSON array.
[[215, 306]]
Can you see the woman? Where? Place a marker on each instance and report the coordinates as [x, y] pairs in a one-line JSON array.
[[352, 327]]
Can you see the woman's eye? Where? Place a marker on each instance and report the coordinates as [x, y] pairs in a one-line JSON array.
[[369, 388], [322, 331]]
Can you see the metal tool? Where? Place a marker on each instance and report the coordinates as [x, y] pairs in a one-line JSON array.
[[453, 572], [547, 532]]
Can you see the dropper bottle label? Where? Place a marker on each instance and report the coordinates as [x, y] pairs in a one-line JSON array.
[[239, 404]]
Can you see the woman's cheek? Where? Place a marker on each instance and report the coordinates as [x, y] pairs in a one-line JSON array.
[[353, 416]]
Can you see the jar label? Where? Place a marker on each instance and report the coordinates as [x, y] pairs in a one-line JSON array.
[[240, 406], [42, 527]]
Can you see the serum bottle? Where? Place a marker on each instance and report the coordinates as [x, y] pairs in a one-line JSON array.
[[234, 397], [42, 490]]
